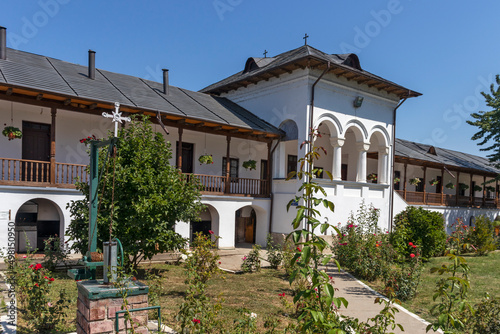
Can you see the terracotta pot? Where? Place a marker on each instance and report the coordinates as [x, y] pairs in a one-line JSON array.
[[11, 135]]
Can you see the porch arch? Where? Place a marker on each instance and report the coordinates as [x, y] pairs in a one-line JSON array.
[[36, 220]]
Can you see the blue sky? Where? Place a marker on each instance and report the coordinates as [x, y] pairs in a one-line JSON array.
[[447, 50]]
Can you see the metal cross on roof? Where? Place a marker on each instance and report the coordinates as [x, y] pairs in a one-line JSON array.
[[305, 38], [265, 53], [117, 117]]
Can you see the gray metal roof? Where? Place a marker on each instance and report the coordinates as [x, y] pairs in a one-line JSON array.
[[412, 150], [32, 71], [255, 67]]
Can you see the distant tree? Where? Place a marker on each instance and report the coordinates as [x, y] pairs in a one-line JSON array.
[[488, 123], [150, 196]]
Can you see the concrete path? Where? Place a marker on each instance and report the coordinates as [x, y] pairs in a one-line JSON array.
[[362, 304]]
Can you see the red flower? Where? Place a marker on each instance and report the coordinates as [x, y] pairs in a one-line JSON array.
[[36, 284], [376, 245], [219, 262], [211, 232], [31, 266], [414, 246], [298, 248], [45, 277], [51, 279], [410, 243], [196, 321], [38, 266], [350, 226], [281, 295], [412, 255]]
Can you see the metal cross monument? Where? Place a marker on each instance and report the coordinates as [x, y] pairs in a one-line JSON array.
[[117, 117]]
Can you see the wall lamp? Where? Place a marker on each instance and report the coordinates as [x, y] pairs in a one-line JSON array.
[[358, 101]]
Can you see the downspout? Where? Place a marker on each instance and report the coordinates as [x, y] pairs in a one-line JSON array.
[[393, 162], [271, 185], [311, 123]]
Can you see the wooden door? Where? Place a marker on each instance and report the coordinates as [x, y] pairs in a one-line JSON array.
[[187, 157], [35, 146]]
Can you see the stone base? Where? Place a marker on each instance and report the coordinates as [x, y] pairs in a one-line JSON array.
[[96, 312]]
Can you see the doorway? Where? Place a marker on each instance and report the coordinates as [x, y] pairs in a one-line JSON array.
[[187, 157], [35, 146], [245, 225]]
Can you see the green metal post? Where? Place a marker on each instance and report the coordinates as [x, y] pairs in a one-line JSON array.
[[94, 183]]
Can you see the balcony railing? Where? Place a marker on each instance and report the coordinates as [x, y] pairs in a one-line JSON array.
[[20, 172], [420, 198], [218, 185]]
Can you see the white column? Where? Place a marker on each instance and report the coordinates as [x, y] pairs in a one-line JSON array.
[[337, 144], [383, 159], [362, 149], [279, 162]]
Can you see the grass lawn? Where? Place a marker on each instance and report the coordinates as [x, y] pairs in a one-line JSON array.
[[257, 292], [484, 277]]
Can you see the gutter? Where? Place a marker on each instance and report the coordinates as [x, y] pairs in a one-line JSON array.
[[311, 114], [393, 162], [271, 186]]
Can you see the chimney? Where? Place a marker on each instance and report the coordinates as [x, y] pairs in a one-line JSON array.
[[165, 82], [3, 43], [91, 64]]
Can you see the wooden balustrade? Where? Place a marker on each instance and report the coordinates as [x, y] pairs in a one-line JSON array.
[[414, 197], [19, 172], [238, 186]]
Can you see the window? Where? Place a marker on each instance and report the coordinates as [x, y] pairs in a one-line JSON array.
[[397, 175], [263, 169], [420, 186], [438, 186], [343, 172], [292, 164], [320, 175], [233, 167]]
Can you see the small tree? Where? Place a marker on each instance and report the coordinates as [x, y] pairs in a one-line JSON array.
[[149, 197], [488, 123]]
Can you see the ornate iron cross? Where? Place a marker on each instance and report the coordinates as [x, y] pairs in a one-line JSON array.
[[117, 117]]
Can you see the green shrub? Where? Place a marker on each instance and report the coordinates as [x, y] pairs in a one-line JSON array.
[[459, 241], [55, 252], [482, 236], [274, 253], [403, 279], [486, 318], [251, 262], [422, 227]]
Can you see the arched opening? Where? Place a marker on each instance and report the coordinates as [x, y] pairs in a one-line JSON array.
[[209, 221], [353, 160], [286, 155], [377, 159], [36, 221], [325, 159], [246, 225]]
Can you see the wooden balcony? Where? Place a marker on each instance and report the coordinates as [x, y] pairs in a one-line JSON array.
[[18, 172], [421, 198], [237, 186]]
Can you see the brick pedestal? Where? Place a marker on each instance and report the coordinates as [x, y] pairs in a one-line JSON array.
[[97, 305]]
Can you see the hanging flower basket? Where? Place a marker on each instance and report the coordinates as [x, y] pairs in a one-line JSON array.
[[490, 189], [433, 182], [463, 186], [415, 181], [250, 164], [478, 188], [450, 185], [397, 180], [372, 177], [88, 139], [205, 159], [12, 132]]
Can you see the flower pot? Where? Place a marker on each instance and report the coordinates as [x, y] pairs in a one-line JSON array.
[[11, 135]]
